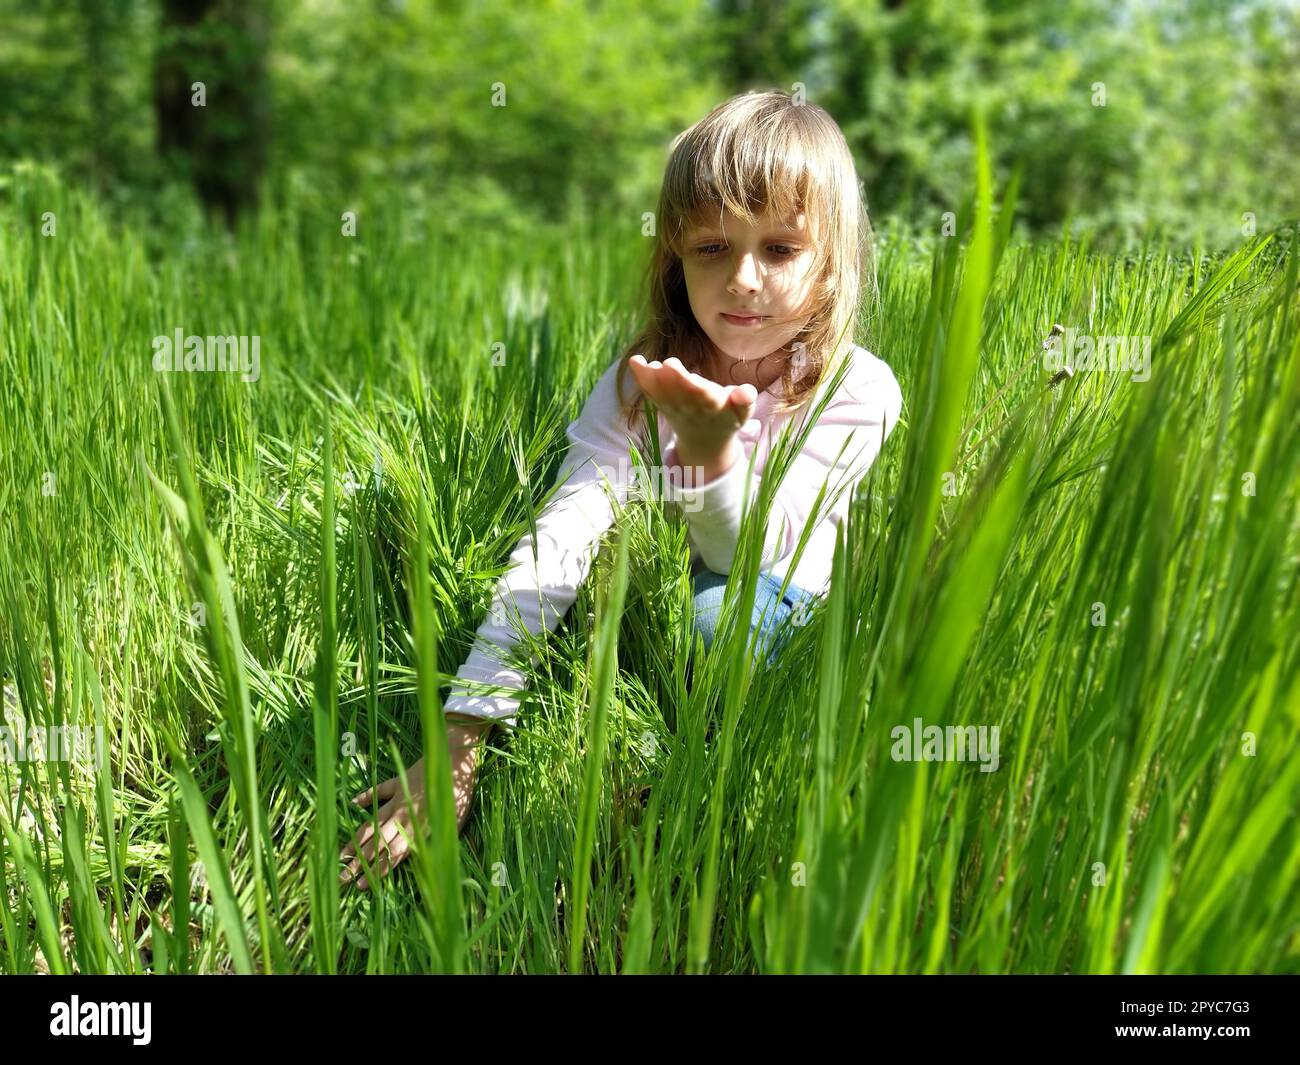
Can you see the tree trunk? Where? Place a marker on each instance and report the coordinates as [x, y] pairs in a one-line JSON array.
[[222, 144]]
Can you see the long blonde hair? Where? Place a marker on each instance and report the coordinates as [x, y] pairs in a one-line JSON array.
[[755, 151]]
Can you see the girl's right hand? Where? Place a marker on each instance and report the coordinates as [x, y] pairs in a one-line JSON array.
[[391, 840]]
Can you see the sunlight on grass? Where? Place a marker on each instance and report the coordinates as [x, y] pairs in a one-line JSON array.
[[261, 589]]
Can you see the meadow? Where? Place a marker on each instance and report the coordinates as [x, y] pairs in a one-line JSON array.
[[259, 589]]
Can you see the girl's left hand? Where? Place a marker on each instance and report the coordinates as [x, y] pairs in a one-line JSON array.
[[701, 411]]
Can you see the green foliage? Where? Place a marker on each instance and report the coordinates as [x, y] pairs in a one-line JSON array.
[[654, 811], [1124, 119]]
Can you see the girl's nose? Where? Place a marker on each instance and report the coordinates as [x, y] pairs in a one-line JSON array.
[[745, 277]]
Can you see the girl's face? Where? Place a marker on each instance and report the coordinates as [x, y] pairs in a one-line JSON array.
[[760, 273]]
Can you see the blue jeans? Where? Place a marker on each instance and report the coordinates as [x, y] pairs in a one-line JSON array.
[[771, 614]]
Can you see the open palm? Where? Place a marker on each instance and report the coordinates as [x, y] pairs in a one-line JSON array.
[[699, 410]]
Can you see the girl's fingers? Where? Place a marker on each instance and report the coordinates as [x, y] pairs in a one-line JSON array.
[[359, 841], [702, 383], [741, 402], [743, 396], [393, 851], [385, 791], [349, 874], [691, 389], [648, 380], [350, 870], [694, 384], [361, 838], [672, 385], [713, 393], [679, 374], [376, 846], [676, 390]]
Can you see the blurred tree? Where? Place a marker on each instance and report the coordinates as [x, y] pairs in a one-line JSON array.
[[765, 42], [71, 90], [493, 113], [1123, 114], [211, 94]]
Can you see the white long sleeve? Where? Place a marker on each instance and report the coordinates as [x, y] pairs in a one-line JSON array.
[[837, 453], [596, 473]]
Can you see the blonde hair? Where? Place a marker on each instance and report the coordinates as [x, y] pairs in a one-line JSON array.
[[757, 151]]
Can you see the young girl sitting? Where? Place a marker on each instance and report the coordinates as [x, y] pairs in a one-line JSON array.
[[762, 241]]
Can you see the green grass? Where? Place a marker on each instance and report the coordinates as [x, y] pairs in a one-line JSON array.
[[202, 578]]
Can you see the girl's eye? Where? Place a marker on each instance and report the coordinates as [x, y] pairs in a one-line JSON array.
[[783, 251]]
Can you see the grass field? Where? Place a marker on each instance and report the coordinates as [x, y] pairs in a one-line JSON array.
[[219, 573]]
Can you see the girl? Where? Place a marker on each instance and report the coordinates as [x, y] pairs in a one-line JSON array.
[[762, 242]]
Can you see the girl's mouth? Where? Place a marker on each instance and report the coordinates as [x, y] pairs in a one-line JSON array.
[[744, 321]]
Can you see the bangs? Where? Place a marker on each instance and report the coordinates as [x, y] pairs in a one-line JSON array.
[[746, 162]]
